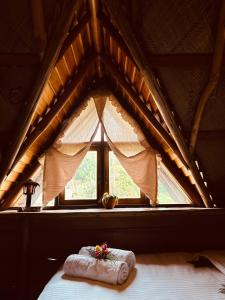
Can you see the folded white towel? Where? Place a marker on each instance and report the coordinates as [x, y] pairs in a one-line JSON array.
[[110, 271], [119, 254]]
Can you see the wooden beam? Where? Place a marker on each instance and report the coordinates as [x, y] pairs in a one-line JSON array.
[[96, 31], [73, 34], [142, 107], [61, 99], [50, 58], [137, 52], [177, 173], [213, 78], [187, 60], [14, 190], [19, 59], [115, 35]]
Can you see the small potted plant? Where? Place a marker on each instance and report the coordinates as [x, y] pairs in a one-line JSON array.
[[109, 201]]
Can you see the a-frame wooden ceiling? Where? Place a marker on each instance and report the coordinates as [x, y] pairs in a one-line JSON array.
[[91, 48]]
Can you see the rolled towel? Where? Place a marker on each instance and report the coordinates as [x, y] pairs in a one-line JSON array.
[[119, 254], [110, 271]]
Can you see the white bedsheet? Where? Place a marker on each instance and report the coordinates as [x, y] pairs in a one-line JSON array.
[[165, 276]]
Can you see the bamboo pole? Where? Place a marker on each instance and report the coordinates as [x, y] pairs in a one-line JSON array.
[[137, 52], [213, 78]]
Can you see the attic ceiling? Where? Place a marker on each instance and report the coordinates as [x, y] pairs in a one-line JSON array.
[[154, 56]]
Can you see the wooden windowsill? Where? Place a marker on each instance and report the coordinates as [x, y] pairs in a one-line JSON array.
[[121, 211]]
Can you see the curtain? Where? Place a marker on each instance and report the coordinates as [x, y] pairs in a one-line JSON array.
[[124, 137]]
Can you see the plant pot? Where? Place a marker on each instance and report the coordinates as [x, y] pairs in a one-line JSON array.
[[109, 202]]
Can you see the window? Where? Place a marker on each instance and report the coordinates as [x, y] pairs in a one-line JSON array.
[[101, 171], [120, 183], [84, 184]]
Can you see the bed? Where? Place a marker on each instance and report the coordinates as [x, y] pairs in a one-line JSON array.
[[156, 276]]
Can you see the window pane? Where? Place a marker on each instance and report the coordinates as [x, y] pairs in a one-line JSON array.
[[84, 184], [120, 183], [169, 191]]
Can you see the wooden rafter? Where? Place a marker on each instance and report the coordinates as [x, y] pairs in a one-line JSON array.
[[213, 78], [74, 81], [96, 31], [141, 106], [138, 55], [74, 34], [14, 190], [115, 35], [184, 182], [48, 63]]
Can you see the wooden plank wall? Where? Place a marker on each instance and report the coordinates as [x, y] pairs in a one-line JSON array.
[[29, 241]]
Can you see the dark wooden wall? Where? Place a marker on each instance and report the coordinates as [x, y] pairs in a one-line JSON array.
[[29, 241]]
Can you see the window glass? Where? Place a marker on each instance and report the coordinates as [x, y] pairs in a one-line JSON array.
[[120, 183], [169, 190], [84, 184]]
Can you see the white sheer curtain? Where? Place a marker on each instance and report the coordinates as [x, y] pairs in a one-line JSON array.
[[125, 139]]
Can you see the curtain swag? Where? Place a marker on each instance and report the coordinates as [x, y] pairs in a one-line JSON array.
[[124, 137]]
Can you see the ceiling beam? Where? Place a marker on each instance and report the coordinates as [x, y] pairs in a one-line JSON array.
[[19, 59], [30, 169], [73, 34], [73, 82], [94, 6], [137, 52], [48, 62], [213, 77], [142, 107], [114, 33]]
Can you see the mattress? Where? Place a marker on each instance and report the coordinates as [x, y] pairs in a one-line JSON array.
[[156, 276]]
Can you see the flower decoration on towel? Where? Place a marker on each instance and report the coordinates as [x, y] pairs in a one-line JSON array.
[[100, 251]]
